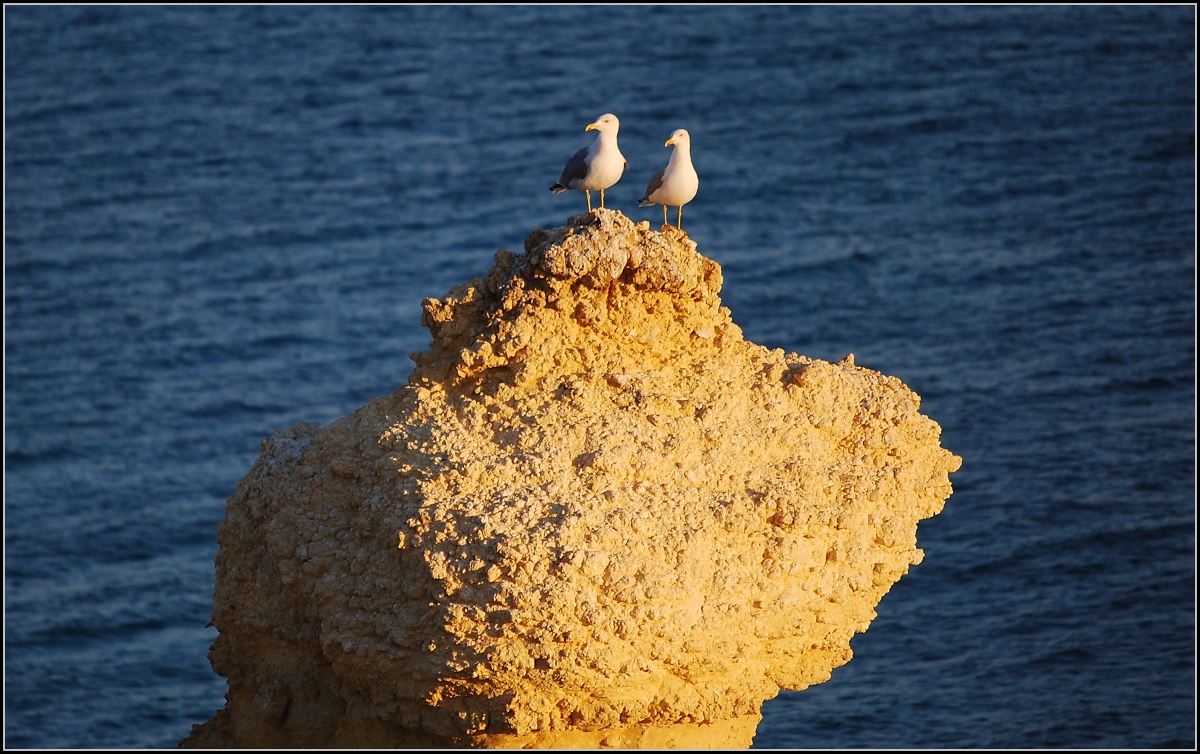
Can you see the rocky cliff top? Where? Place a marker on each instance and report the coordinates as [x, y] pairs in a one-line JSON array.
[[595, 510]]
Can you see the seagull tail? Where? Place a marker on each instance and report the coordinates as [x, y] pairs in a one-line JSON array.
[[558, 188], [645, 202]]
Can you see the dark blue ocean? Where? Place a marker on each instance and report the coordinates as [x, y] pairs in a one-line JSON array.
[[220, 221]]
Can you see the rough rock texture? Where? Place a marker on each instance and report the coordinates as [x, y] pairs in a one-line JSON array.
[[596, 516]]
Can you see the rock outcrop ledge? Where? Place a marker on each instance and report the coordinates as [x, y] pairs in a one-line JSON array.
[[596, 516]]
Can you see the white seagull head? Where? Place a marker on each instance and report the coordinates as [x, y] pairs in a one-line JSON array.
[[606, 124], [680, 137]]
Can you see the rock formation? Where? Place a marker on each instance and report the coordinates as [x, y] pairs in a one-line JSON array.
[[595, 516]]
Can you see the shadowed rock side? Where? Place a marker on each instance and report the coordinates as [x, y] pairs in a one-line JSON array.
[[596, 516]]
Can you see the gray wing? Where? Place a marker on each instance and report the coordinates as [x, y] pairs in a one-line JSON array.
[[576, 169], [655, 185]]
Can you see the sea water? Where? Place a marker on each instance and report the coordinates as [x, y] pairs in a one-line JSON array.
[[220, 221]]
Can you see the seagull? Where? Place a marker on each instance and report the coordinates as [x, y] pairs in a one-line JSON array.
[[676, 184], [597, 167]]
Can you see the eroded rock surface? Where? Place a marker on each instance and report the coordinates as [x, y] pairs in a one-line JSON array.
[[596, 516]]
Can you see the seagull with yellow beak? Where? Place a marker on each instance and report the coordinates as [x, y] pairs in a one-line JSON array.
[[677, 183], [597, 167]]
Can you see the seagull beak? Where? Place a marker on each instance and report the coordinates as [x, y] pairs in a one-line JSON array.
[[669, 142], [591, 127]]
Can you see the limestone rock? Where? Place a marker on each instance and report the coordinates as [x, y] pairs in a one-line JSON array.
[[596, 516]]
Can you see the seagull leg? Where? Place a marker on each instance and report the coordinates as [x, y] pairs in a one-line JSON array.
[[679, 218], [664, 214], [588, 194], [601, 198]]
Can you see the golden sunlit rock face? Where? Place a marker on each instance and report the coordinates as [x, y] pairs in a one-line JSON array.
[[596, 516]]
